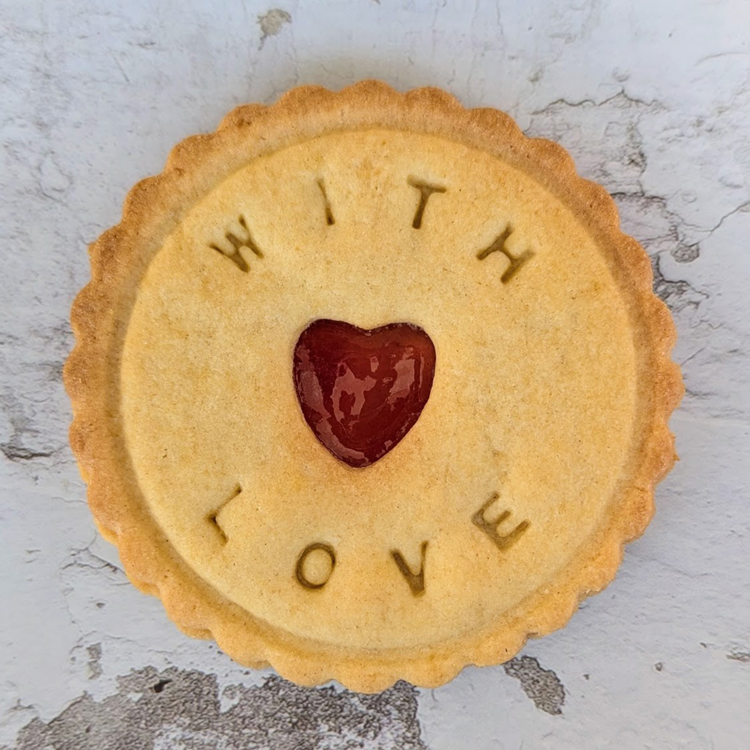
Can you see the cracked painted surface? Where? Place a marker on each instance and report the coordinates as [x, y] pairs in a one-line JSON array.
[[271, 23], [651, 99]]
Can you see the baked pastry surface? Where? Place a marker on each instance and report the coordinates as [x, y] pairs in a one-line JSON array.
[[532, 462]]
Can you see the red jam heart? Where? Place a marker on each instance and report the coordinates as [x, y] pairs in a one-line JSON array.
[[362, 391]]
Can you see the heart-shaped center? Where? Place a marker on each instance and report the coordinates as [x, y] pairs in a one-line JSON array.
[[362, 391]]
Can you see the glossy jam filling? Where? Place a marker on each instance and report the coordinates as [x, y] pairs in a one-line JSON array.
[[361, 391]]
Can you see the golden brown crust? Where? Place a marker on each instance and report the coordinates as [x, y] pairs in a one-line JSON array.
[[99, 318]]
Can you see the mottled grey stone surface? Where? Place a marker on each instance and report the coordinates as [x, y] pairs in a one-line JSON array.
[[177, 708]]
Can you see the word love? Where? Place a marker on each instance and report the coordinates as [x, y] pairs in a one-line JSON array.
[[240, 245], [317, 562]]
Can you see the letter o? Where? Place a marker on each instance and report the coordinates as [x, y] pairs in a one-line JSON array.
[[300, 569]]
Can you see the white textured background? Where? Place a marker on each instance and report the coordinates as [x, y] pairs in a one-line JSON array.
[[652, 98]]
